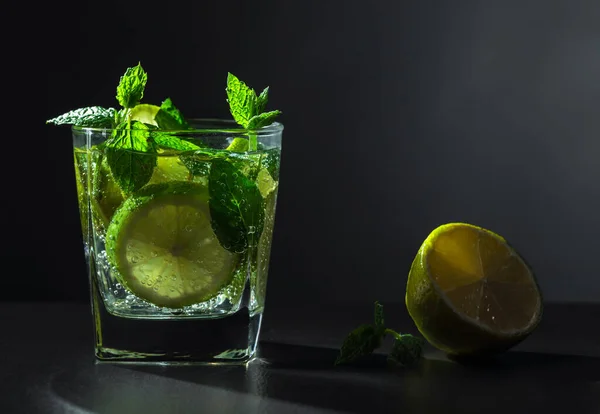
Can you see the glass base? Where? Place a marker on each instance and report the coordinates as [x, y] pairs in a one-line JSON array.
[[229, 339]]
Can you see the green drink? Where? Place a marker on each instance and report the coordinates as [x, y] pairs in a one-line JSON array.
[[177, 217]]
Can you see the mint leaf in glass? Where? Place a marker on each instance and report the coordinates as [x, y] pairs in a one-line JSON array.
[[92, 117], [131, 156], [236, 207], [130, 90]]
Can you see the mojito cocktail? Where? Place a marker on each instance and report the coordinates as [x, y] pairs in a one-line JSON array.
[[177, 217]]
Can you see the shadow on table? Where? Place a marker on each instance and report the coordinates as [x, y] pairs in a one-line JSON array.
[[302, 376]]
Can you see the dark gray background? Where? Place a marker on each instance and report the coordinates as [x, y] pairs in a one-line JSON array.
[[399, 116]]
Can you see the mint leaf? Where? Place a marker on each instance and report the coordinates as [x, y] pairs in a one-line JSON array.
[[359, 343], [379, 320], [92, 117], [363, 340], [407, 350], [168, 141], [262, 100], [262, 120], [236, 207], [169, 117], [131, 156], [246, 108], [131, 86], [242, 100]]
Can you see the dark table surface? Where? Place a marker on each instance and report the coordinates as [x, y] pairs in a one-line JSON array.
[[47, 367]]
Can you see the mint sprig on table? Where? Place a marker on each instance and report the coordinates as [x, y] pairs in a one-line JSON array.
[[407, 349]]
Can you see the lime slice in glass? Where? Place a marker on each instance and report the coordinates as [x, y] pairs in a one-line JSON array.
[[162, 244]]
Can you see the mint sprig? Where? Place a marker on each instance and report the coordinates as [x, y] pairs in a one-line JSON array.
[[131, 153], [247, 108], [407, 349], [359, 343]]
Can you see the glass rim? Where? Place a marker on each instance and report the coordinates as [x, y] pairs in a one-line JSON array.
[[275, 127]]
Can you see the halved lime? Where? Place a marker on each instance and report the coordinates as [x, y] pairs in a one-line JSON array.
[[470, 293], [145, 113], [162, 244]]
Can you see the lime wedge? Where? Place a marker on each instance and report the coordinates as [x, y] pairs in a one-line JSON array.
[[238, 145], [266, 184], [145, 113], [164, 249], [169, 168]]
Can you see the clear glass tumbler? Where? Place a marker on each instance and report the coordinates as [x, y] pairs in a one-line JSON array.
[[177, 238]]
